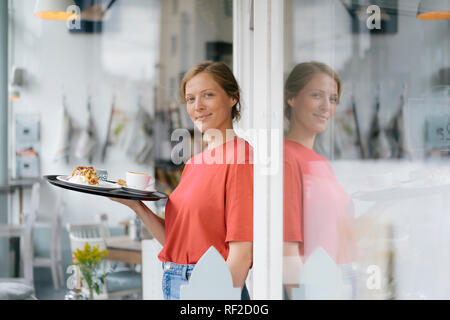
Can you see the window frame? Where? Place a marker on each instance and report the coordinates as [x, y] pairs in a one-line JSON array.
[[258, 55]]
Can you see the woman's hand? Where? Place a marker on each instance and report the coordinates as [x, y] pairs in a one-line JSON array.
[[132, 204]]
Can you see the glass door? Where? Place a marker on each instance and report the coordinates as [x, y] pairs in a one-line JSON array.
[[366, 107]]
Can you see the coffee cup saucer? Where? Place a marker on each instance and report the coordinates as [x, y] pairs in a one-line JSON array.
[[137, 190]]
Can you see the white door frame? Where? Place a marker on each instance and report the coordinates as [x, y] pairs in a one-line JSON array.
[[243, 61], [259, 68]]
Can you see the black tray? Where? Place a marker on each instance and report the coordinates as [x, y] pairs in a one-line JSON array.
[[119, 193]]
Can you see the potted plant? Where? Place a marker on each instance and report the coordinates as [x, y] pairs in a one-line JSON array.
[[88, 261]]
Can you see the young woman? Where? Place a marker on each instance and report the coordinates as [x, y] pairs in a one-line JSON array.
[[213, 203], [317, 210]]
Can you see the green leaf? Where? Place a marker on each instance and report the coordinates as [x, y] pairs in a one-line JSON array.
[[97, 288]]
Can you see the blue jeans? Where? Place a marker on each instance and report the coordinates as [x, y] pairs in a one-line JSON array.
[[177, 275]]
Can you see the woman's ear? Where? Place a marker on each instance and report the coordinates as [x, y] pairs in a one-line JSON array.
[[233, 101], [290, 102]]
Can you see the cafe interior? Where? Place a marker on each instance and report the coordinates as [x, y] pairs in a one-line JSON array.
[[95, 83]]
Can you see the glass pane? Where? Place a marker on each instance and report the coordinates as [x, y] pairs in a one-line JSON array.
[[103, 91], [366, 150]]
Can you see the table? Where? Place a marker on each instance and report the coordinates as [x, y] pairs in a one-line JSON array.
[[124, 249]]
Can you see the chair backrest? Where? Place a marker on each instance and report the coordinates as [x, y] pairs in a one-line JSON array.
[[24, 231], [90, 233], [31, 215]]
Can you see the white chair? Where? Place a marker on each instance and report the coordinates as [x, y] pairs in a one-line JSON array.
[[54, 222], [121, 282], [22, 287]]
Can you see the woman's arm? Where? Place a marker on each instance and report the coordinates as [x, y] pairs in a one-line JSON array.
[[292, 266], [239, 261], [291, 248], [154, 223]]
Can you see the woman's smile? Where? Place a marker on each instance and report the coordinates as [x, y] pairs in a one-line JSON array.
[[203, 117], [321, 117]]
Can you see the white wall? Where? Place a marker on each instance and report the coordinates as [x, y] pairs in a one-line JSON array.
[[120, 61]]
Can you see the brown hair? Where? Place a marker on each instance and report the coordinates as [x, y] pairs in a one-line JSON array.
[[299, 78], [223, 76]]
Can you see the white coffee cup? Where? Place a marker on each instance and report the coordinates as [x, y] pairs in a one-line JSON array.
[[138, 180]]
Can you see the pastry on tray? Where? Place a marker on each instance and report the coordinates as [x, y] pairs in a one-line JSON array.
[[84, 175], [122, 182]]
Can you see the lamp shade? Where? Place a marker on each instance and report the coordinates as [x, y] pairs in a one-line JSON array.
[[53, 9], [433, 10]]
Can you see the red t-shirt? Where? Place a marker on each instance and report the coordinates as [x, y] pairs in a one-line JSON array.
[[212, 205], [317, 210]]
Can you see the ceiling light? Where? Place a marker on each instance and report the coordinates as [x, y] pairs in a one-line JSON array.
[[433, 10], [54, 9]]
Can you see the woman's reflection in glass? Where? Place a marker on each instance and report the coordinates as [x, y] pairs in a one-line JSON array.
[[317, 210]]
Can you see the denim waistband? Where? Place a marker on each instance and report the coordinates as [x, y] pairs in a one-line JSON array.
[[183, 270]]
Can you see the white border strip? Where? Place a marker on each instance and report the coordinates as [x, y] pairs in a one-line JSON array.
[[268, 178], [261, 94], [276, 46]]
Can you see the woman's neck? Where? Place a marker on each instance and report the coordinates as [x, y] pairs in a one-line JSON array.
[[301, 136], [214, 142]]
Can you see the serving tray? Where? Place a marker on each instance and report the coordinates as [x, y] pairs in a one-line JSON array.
[[117, 193]]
